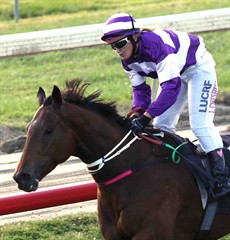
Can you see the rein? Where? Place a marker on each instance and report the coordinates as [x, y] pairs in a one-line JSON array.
[[110, 155], [100, 163], [158, 142]]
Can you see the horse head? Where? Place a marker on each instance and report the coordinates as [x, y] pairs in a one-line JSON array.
[[47, 137], [66, 124]]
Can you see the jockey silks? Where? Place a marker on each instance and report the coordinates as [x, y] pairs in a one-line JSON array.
[[186, 73]]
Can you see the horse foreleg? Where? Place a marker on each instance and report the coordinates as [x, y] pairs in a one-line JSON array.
[[107, 222], [109, 232]]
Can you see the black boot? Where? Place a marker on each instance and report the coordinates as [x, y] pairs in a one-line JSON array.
[[220, 172]]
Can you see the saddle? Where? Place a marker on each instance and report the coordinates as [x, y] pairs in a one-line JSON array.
[[199, 165]]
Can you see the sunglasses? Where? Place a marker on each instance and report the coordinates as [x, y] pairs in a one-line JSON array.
[[120, 44]]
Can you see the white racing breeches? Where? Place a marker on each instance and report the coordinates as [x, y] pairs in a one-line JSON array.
[[198, 90]]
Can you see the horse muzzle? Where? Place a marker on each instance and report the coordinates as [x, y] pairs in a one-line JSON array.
[[26, 182]]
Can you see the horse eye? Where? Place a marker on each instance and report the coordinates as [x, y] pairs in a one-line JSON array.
[[49, 131]]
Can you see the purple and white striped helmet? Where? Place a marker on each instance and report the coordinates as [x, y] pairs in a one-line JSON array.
[[120, 24]]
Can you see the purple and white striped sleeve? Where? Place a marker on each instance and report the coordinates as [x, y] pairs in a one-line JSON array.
[[167, 97]]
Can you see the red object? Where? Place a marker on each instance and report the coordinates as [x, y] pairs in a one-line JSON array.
[[49, 197]]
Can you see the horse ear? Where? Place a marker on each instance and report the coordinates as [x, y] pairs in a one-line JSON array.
[[56, 96], [41, 96]]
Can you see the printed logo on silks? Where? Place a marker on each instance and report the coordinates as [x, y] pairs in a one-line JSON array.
[[205, 97]]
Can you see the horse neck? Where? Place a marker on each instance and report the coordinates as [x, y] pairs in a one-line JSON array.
[[95, 136]]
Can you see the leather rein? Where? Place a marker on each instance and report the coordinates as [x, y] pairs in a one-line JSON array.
[[100, 163]]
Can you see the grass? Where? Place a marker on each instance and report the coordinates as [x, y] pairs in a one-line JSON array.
[[81, 227], [78, 227]]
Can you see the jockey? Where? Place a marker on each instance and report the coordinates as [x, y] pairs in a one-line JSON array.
[[186, 73]]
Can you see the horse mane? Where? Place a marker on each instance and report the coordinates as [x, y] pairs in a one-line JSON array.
[[75, 93]]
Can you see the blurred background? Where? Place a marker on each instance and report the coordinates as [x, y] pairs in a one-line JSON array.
[[21, 76]]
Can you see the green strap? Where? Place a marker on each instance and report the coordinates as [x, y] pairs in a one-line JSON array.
[[175, 159]]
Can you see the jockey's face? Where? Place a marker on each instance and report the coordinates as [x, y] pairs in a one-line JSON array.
[[122, 46]]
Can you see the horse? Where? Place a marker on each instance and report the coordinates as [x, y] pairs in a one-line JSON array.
[[142, 194]]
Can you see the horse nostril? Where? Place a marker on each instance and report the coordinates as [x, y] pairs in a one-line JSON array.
[[22, 177], [25, 176]]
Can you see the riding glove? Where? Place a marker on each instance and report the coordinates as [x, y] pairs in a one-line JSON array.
[[137, 124]]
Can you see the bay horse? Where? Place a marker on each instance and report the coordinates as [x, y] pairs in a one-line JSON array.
[[141, 194]]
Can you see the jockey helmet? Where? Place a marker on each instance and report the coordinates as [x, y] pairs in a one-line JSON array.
[[120, 24]]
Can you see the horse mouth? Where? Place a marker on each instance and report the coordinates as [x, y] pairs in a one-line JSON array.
[[28, 187]]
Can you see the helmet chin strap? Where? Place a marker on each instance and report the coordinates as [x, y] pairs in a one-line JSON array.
[[133, 41], [135, 45]]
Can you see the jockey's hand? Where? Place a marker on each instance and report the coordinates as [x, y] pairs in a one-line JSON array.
[[134, 116], [129, 119], [137, 124]]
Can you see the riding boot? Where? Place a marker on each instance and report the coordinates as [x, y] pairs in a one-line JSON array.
[[220, 172]]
